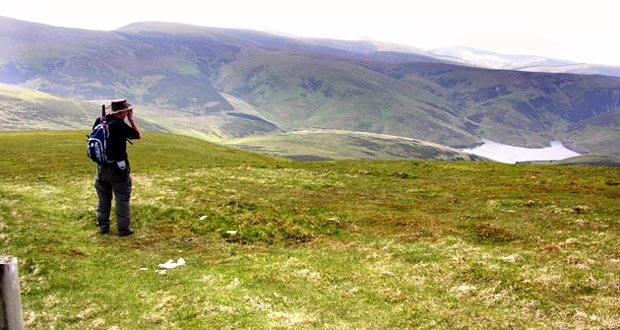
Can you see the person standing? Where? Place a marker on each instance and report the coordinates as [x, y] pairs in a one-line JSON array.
[[113, 177]]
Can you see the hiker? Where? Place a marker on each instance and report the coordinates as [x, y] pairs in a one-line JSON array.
[[113, 176]]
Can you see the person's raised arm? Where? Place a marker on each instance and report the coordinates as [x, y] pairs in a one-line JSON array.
[[133, 123]]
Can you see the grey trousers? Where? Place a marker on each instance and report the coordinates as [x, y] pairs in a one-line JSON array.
[[112, 182]]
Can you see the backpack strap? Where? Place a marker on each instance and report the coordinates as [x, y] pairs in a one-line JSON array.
[[103, 115]]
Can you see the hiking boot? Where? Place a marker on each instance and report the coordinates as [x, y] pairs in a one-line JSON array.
[[104, 230], [125, 232]]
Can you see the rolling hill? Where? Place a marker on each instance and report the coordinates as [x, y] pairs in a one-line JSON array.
[[223, 84], [324, 144], [22, 109]]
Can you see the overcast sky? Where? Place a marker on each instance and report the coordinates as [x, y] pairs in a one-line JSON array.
[[577, 30]]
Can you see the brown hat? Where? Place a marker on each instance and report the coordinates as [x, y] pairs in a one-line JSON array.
[[119, 106]]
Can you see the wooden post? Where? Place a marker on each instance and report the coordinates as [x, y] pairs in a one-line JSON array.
[[10, 299]]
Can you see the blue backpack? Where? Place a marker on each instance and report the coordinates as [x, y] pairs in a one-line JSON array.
[[97, 143]]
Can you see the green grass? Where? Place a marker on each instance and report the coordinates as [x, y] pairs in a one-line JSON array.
[[334, 245], [22, 109]]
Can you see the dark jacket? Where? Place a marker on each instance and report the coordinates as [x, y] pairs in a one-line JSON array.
[[119, 133]]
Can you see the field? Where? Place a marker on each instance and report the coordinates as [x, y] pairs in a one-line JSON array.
[[270, 243]]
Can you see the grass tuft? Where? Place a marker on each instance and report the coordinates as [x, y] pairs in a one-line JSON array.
[[488, 232]]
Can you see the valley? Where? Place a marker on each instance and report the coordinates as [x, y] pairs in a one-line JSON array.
[[246, 87]]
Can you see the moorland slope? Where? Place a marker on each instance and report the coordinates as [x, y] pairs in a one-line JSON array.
[[223, 84]]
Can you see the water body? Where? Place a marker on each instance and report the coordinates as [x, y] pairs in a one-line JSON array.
[[504, 153]]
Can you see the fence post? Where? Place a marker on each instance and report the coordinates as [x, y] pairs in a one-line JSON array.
[[10, 299]]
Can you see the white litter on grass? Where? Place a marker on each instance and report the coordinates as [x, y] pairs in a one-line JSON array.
[[231, 232], [170, 264], [143, 269], [513, 259], [203, 217]]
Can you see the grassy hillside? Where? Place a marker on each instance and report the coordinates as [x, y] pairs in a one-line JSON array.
[[332, 144], [587, 160], [23, 109], [306, 90], [528, 109], [344, 244]]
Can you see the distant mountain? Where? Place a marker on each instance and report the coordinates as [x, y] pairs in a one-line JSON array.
[[491, 60], [224, 84], [577, 68]]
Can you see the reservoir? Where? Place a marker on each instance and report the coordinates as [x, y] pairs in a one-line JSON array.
[[510, 154]]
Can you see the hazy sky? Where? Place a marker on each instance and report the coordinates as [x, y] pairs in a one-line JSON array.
[[582, 31]]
